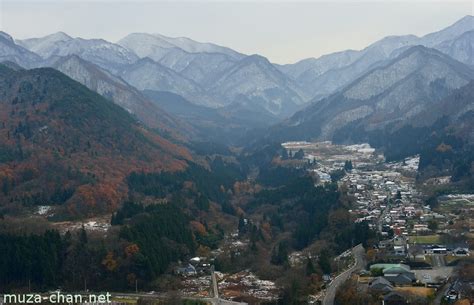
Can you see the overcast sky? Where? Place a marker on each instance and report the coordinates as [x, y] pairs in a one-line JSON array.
[[285, 32]]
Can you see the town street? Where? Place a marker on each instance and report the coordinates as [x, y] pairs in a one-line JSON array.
[[358, 253]]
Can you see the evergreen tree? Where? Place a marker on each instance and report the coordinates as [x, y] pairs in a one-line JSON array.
[[242, 226], [83, 236], [299, 155], [324, 262], [202, 203], [399, 195], [280, 254], [310, 269], [348, 165]]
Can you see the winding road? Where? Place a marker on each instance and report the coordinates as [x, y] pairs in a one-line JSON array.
[[358, 252]]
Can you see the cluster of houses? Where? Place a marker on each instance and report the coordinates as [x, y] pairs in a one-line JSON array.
[[399, 246], [389, 202], [386, 197], [395, 274], [391, 276], [195, 266], [386, 200]]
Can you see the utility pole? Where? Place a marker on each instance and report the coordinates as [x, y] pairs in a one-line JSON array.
[[136, 285]]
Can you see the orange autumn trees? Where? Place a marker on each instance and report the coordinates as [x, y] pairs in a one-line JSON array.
[[63, 144]]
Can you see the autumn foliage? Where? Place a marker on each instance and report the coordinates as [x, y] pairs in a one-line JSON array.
[[63, 144]]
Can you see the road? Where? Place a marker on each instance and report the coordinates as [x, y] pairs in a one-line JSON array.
[[215, 291], [441, 293], [438, 260], [358, 253], [384, 214]]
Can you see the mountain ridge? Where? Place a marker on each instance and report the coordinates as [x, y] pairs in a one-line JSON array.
[[423, 76], [336, 76], [119, 91]]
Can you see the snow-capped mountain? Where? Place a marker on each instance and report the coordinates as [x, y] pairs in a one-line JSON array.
[[10, 51], [461, 48], [210, 75], [156, 46], [388, 97], [327, 74], [200, 62], [203, 68], [255, 82], [461, 26], [44, 46], [311, 68], [146, 74], [98, 51]]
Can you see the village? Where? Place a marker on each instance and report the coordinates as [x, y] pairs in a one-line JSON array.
[[418, 246]]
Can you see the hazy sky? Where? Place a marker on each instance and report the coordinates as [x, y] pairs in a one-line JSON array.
[[285, 32]]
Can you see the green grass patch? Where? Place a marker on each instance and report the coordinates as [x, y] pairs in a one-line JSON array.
[[424, 239]]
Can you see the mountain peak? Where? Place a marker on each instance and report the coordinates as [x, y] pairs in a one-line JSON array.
[[59, 36], [157, 45], [419, 48], [255, 58], [426, 52], [468, 19], [6, 36]]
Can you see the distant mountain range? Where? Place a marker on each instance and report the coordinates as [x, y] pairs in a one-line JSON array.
[[329, 73], [98, 51], [389, 96], [250, 89]]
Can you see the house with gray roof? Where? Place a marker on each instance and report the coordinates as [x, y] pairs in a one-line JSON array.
[[380, 285]]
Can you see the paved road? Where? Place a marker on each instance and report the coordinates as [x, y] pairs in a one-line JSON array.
[[383, 215], [358, 253], [438, 260], [441, 293], [215, 291]]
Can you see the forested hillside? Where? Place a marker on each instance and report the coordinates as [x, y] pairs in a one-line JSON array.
[[64, 144]]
